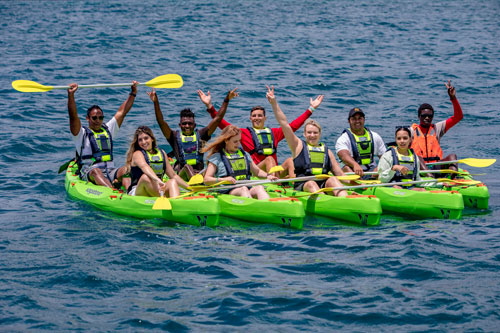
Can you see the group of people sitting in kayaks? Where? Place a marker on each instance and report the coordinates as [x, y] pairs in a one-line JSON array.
[[238, 153]]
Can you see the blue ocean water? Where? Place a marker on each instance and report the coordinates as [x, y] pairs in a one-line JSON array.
[[67, 266]]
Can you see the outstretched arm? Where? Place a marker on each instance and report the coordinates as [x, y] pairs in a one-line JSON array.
[[293, 141], [212, 126], [127, 105], [457, 110], [165, 129], [313, 104], [207, 100], [138, 159], [74, 121]]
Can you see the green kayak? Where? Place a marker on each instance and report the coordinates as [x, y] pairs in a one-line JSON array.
[[359, 209], [199, 210], [436, 204], [475, 195], [286, 212]]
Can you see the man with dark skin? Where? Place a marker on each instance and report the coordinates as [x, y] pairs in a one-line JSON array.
[[187, 142], [94, 144], [427, 135]]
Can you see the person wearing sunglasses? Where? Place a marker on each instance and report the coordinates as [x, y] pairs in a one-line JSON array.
[[427, 135], [357, 146], [94, 143], [187, 142], [260, 141]]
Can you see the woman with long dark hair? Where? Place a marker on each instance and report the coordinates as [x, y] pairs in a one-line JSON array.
[[148, 164]]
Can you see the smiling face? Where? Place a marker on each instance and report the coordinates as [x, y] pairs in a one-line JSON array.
[[187, 125], [258, 118], [403, 139], [357, 124], [95, 119], [145, 141], [312, 135], [233, 143], [426, 117]]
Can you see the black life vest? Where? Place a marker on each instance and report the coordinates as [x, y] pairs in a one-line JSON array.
[[408, 161], [362, 146], [189, 147], [312, 160], [237, 165], [263, 141]]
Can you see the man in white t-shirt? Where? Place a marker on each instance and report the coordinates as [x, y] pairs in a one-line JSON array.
[[358, 146], [94, 144]]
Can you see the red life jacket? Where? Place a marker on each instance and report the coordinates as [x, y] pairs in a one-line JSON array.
[[426, 145]]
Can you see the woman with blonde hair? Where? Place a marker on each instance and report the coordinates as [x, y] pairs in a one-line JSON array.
[[227, 161], [147, 165], [310, 156]]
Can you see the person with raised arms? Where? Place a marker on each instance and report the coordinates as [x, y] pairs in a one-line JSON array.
[[427, 136], [147, 165], [400, 163], [228, 162], [94, 144], [310, 156], [358, 146], [187, 143], [260, 141]]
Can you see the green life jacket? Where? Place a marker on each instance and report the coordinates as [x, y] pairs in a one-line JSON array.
[[362, 146], [237, 165], [409, 161], [157, 161], [101, 146], [263, 141], [189, 147]]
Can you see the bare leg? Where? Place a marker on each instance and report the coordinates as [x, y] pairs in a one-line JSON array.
[[289, 169], [172, 188], [258, 192], [146, 187], [334, 182], [241, 192], [97, 177], [267, 163]]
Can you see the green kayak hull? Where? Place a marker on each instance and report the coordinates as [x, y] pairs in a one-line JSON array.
[[195, 210], [283, 212], [358, 209], [475, 196], [428, 204]]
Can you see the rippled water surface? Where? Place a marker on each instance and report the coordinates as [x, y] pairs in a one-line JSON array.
[[65, 265]]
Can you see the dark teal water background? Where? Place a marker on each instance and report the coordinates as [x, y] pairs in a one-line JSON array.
[[67, 266]]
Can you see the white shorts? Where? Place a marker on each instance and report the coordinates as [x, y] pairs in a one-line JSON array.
[[132, 191]]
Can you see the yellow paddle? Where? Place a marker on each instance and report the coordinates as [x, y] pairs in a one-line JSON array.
[[473, 162], [162, 203], [441, 180], [277, 168], [163, 81], [196, 179]]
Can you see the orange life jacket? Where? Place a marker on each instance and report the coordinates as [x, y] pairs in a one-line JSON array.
[[426, 145]]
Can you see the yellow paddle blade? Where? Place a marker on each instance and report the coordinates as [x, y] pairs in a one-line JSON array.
[[478, 162], [196, 179], [460, 181], [166, 81], [369, 181], [198, 188], [162, 203], [277, 168], [30, 86]]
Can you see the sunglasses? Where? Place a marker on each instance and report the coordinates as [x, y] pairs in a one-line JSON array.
[[94, 118], [427, 116], [187, 123], [400, 127]]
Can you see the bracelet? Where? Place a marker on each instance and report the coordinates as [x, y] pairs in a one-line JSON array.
[[312, 109], [226, 100], [217, 179], [132, 94]]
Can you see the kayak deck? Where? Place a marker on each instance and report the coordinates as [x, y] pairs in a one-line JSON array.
[[196, 210], [358, 209], [427, 204]]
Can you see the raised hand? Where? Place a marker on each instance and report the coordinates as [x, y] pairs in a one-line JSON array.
[[451, 89], [231, 94], [72, 88], [270, 95], [152, 95], [134, 87], [317, 102], [206, 99]]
